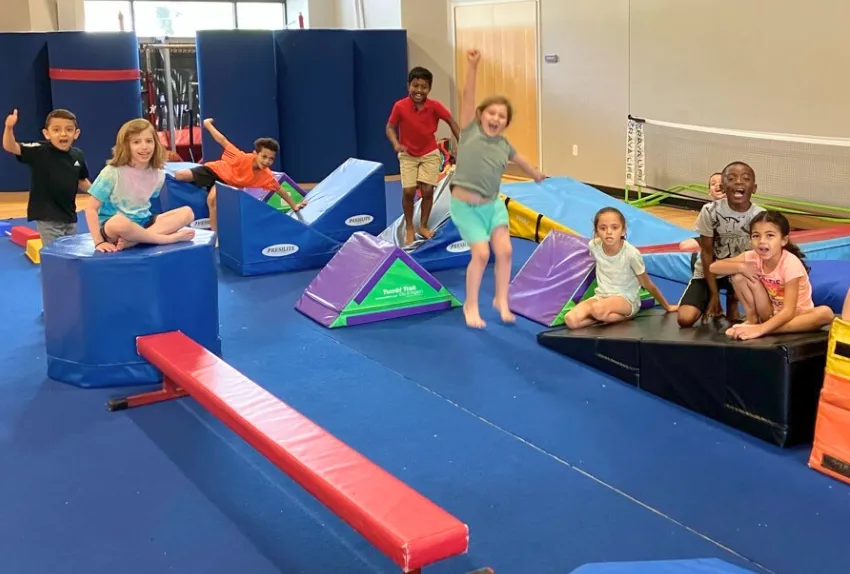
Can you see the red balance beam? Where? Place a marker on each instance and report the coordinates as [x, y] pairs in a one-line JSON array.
[[407, 527]]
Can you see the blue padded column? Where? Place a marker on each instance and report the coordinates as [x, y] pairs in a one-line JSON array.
[[96, 304], [315, 88], [237, 87], [26, 86], [380, 79], [96, 76]]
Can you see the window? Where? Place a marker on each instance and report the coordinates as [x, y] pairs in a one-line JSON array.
[[260, 16], [182, 18], [105, 15]]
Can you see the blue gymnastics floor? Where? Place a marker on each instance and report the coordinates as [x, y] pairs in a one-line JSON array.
[[552, 464]]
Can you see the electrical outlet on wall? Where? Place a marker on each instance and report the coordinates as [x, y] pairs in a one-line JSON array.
[[575, 149]]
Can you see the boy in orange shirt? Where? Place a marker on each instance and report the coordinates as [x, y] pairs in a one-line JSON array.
[[237, 169]]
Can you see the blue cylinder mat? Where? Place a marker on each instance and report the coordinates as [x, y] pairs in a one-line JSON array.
[[96, 304]]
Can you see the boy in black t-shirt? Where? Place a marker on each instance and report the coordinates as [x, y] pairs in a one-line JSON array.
[[57, 171]]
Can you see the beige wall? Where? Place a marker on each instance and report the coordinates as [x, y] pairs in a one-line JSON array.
[[41, 15], [430, 44], [585, 95], [774, 66]]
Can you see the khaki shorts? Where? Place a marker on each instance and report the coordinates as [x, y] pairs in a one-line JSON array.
[[425, 169]]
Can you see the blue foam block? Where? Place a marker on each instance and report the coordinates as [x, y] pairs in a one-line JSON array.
[[675, 265], [176, 194], [96, 304], [101, 107], [257, 239], [830, 283], [698, 566], [242, 113], [445, 250], [380, 79], [26, 86], [827, 249], [5, 228], [315, 97]]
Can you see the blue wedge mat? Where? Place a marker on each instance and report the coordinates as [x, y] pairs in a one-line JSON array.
[[26, 87], [574, 204], [242, 112], [315, 90], [352, 198], [180, 193], [101, 107]]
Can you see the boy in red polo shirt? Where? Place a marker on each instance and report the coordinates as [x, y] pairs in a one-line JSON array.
[[417, 118]]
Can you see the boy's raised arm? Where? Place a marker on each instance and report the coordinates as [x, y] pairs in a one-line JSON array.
[[10, 144], [217, 135]]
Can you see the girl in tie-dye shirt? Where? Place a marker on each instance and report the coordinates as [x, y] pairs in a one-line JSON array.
[[118, 213]]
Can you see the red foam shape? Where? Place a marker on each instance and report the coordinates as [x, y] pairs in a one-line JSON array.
[[407, 527], [21, 234], [94, 75], [810, 235]]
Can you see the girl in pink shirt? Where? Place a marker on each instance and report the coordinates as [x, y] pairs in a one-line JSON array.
[[772, 283]]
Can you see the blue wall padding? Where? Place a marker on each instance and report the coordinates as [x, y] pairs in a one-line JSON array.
[[101, 107], [380, 79], [315, 81], [96, 304], [237, 87], [25, 86]]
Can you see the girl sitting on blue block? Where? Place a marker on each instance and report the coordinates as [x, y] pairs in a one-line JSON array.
[[118, 213]]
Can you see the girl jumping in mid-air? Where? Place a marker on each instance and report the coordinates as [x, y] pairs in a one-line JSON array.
[[479, 215], [772, 283], [620, 273], [118, 213]]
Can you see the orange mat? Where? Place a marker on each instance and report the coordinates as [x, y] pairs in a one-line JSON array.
[[831, 447]]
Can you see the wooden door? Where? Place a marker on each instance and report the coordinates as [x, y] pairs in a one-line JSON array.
[[506, 34]]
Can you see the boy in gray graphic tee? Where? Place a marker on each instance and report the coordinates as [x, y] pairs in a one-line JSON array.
[[724, 229]]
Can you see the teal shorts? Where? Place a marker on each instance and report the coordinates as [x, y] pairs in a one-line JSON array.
[[476, 221]]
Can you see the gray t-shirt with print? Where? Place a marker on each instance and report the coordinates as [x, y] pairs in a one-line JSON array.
[[729, 228]]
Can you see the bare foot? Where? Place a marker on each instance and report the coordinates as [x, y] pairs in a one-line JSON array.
[[123, 244], [409, 235], [185, 234], [425, 232], [505, 311], [473, 318]]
